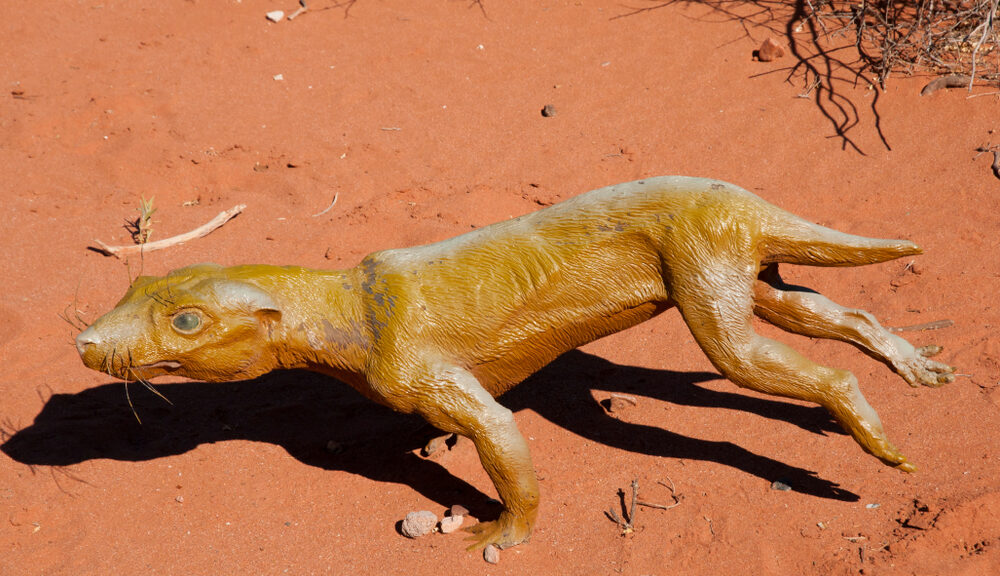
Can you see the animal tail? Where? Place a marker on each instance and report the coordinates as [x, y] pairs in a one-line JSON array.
[[793, 240]]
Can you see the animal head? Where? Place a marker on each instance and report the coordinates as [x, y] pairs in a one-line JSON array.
[[203, 322]]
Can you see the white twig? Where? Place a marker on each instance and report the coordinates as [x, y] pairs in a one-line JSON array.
[[299, 10], [327, 209], [987, 28], [204, 230]]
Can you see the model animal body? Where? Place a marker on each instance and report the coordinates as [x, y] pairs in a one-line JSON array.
[[441, 330]]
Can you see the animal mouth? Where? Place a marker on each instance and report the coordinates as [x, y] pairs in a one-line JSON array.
[[168, 365]]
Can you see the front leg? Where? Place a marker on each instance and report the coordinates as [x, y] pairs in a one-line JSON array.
[[453, 400]]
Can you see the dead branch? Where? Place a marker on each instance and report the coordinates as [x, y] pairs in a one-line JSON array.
[[201, 231], [925, 326]]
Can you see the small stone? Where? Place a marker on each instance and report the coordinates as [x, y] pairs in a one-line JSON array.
[[417, 524], [872, 506], [459, 510], [548, 110], [279, 77], [334, 447], [770, 50], [619, 402], [275, 15], [179, 499], [451, 523], [779, 485], [491, 554], [434, 447]]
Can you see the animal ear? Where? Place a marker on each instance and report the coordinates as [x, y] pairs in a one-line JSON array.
[[246, 296]]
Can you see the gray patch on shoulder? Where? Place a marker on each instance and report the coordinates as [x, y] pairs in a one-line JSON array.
[[341, 337]]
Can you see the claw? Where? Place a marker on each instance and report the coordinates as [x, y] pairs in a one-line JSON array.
[[504, 532], [929, 351]]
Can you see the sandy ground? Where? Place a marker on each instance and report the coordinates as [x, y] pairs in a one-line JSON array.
[[424, 118]]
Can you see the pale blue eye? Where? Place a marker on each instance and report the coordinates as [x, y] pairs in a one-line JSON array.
[[187, 322]]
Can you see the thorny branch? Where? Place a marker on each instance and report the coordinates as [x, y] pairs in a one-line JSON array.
[[943, 36]]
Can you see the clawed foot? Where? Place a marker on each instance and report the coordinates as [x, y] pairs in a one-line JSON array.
[[503, 532], [918, 370], [882, 449]]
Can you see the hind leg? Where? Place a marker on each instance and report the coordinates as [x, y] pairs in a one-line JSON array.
[[802, 311], [717, 305]]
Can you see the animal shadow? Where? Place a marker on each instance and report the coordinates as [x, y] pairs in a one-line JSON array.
[[323, 422]]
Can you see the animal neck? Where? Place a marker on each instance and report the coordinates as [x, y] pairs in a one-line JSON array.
[[321, 326]]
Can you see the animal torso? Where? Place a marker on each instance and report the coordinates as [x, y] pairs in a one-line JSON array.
[[441, 329], [545, 283]]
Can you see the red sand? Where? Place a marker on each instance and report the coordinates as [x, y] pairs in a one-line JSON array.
[[425, 117]]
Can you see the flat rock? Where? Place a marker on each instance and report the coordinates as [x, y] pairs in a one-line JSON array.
[[451, 523]]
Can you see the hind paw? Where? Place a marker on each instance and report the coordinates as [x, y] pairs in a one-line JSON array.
[[919, 370]]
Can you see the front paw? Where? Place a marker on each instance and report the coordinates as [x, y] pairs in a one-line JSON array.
[[920, 370], [504, 532]]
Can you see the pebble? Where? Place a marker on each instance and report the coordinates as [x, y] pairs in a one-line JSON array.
[[491, 554], [459, 510], [334, 447], [275, 15], [619, 402], [770, 50], [451, 523], [548, 111], [779, 485], [417, 524]]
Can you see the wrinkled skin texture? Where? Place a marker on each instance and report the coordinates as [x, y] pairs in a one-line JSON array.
[[441, 330]]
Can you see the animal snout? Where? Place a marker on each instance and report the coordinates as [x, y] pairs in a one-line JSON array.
[[87, 338]]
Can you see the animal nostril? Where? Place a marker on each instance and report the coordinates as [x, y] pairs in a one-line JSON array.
[[86, 338]]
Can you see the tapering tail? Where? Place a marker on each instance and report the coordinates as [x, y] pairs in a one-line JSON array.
[[793, 240]]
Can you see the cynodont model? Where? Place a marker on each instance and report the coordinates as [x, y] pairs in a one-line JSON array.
[[441, 330]]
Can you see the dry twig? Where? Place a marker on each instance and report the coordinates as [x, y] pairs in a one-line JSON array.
[[673, 494], [302, 8], [996, 157], [201, 231], [627, 525], [141, 228], [327, 209], [925, 326]]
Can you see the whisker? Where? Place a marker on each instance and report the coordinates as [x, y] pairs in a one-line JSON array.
[[149, 386], [76, 307], [128, 398]]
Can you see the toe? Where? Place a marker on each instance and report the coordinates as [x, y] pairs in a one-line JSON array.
[[928, 351]]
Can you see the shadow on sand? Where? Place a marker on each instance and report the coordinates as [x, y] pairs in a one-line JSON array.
[[302, 411]]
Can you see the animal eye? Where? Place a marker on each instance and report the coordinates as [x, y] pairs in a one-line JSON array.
[[187, 322]]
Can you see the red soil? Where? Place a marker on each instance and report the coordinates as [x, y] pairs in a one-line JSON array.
[[425, 118]]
